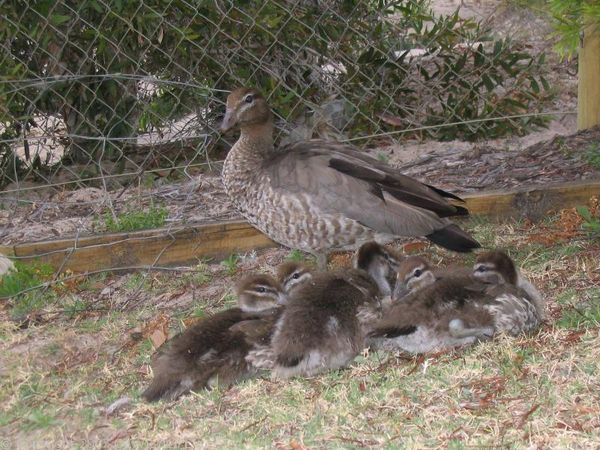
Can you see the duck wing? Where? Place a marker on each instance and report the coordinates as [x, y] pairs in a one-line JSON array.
[[340, 179]]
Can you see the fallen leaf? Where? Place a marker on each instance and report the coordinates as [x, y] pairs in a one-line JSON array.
[[414, 247], [158, 337], [522, 419], [295, 445], [157, 329]]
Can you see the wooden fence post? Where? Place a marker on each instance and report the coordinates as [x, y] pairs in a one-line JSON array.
[[588, 90]]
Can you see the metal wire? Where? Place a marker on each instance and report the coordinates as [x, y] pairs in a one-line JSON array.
[[110, 96]]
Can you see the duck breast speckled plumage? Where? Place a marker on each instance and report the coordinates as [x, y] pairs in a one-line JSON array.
[[318, 195]]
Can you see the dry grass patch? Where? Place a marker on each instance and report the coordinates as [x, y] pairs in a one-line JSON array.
[[61, 372]]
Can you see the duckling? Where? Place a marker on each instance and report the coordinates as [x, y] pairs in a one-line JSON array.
[[319, 196], [415, 272], [379, 262], [496, 267], [292, 274], [213, 350], [452, 310], [319, 328]]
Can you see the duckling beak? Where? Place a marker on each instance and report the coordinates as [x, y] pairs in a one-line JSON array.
[[400, 290], [282, 299], [229, 121]]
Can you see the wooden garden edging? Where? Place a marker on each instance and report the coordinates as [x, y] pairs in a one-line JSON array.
[[186, 244]]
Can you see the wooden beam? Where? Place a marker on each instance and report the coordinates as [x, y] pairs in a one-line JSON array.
[[531, 202], [177, 245], [588, 88], [182, 245]]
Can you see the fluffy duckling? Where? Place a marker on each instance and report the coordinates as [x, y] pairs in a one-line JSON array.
[[319, 195], [319, 328], [455, 309], [292, 274], [213, 350], [496, 267], [415, 272], [381, 263]]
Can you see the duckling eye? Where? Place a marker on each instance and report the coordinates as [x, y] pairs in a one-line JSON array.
[[417, 272], [249, 98], [296, 276], [261, 289]]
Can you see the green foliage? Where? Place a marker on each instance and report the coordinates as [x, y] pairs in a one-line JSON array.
[[39, 419], [580, 313], [231, 263], [383, 157], [201, 275], [569, 19], [190, 50], [590, 222], [155, 217], [25, 304], [11, 167], [23, 277], [593, 155], [75, 307], [296, 255], [199, 311], [456, 82]]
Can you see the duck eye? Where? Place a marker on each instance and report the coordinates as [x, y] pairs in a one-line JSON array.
[[249, 98], [261, 289], [296, 276], [417, 272], [481, 269]]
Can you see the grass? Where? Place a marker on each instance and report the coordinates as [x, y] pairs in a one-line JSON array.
[[590, 222], [23, 277], [536, 391], [231, 263], [154, 217]]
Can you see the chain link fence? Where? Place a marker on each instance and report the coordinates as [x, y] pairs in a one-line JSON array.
[[111, 107]]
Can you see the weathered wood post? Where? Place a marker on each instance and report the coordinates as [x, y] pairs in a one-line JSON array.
[[588, 90]]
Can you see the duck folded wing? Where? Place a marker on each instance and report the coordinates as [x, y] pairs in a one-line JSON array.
[[338, 178], [257, 331]]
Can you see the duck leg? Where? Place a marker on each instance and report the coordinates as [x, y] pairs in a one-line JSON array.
[[458, 330]]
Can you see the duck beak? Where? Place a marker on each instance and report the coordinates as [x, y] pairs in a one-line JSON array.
[[282, 299], [229, 121], [400, 290]]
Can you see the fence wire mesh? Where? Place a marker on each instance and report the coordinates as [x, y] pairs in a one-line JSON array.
[[109, 108]]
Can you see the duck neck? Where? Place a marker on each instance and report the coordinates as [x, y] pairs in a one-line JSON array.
[[257, 140], [247, 157]]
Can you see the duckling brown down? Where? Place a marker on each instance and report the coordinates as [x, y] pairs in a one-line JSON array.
[[213, 350], [320, 328], [318, 195], [380, 263], [446, 308]]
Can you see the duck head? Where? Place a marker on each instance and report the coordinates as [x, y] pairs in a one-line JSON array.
[[495, 267], [246, 107], [414, 273], [379, 262], [258, 293], [293, 274]]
